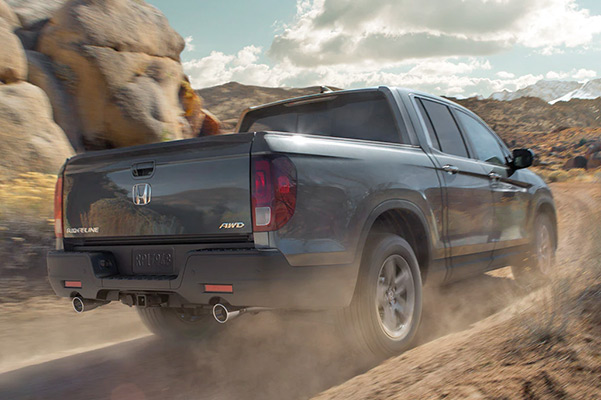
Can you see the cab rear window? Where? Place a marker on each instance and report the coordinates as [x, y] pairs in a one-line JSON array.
[[366, 116]]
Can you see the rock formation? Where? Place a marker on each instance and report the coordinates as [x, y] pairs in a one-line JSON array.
[[30, 140], [110, 70]]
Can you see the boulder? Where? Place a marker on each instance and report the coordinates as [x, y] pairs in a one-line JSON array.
[[13, 65], [32, 16], [123, 25], [29, 138], [576, 162], [592, 148], [32, 13], [7, 14], [594, 160], [44, 73], [119, 59]]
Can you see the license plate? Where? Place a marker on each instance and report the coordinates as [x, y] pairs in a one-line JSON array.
[[153, 262]]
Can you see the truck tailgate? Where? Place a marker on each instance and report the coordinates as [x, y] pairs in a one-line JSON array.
[[188, 188]]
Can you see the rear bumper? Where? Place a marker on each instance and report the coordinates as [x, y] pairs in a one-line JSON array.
[[260, 278]]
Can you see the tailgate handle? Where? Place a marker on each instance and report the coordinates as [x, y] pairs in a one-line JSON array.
[[143, 169]]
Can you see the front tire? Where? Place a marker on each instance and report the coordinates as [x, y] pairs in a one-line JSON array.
[[539, 266], [174, 323], [386, 309]]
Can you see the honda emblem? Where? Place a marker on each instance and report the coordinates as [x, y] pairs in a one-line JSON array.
[[141, 194]]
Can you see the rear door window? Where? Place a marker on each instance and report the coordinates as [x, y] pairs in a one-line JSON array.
[[429, 127], [483, 142], [366, 116], [445, 128]]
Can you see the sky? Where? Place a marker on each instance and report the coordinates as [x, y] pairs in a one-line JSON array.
[[457, 48]]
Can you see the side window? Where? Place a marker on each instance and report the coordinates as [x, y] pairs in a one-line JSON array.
[[445, 127], [485, 144], [429, 126]]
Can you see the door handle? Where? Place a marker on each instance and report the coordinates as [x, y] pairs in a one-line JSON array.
[[451, 169], [494, 176], [143, 169]]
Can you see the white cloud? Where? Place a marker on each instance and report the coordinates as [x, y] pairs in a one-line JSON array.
[[439, 76], [555, 75], [218, 68], [505, 75], [189, 45], [584, 74], [342, 32], [436, 46], [579, 75]]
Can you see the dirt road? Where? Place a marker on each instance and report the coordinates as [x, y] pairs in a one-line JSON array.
[[263, 356]]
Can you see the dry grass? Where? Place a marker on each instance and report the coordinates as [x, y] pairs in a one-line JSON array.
[[573, 175], [27, 198], [26, 234]]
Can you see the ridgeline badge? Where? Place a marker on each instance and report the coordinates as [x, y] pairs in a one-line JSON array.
[[84, 230]]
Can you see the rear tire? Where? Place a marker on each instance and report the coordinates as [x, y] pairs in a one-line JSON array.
[[174, 323], [539, 265], [386, 309]]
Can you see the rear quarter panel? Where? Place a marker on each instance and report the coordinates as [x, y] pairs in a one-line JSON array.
[[340, 183]]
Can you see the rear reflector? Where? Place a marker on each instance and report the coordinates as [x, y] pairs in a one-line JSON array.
[[219, 288], [73, 284]]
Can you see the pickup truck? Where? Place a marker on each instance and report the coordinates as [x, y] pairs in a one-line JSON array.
[[349, 201]]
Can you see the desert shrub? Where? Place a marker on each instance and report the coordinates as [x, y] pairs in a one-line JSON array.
[[556, 305], [557, 176], [581, 143]]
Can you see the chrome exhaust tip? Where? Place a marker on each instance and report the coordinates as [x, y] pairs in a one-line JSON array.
[[222, 315], [78, 305], [82, 305]]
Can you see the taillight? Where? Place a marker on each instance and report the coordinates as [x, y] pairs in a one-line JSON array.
[[273, 192], [58, 208]]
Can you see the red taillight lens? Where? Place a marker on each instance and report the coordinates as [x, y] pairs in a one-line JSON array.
[[58, 208], [273, 192]]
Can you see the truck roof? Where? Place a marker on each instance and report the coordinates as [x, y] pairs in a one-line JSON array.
[[399, 90], [343, 91]]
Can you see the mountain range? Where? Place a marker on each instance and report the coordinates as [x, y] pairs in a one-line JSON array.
[[554, 91]]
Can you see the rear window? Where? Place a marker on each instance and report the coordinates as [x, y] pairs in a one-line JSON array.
[[366, 116]]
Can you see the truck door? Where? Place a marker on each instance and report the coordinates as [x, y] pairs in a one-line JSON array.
[[469, 200], [511, 197]]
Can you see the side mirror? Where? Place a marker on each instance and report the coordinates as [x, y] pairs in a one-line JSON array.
[[522, 158]]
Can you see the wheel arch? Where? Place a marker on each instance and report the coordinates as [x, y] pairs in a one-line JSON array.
[[405, 219]]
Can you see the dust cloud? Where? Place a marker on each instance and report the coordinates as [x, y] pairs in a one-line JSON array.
[[267, 356]]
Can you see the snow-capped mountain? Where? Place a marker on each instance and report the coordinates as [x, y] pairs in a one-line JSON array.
[[547, 90], [587, 90]]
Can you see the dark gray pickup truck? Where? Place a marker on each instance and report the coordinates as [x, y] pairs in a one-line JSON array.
[[349, 201]]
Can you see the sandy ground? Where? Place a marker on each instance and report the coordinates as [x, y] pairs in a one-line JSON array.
[[48, 352], [504, 356]]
